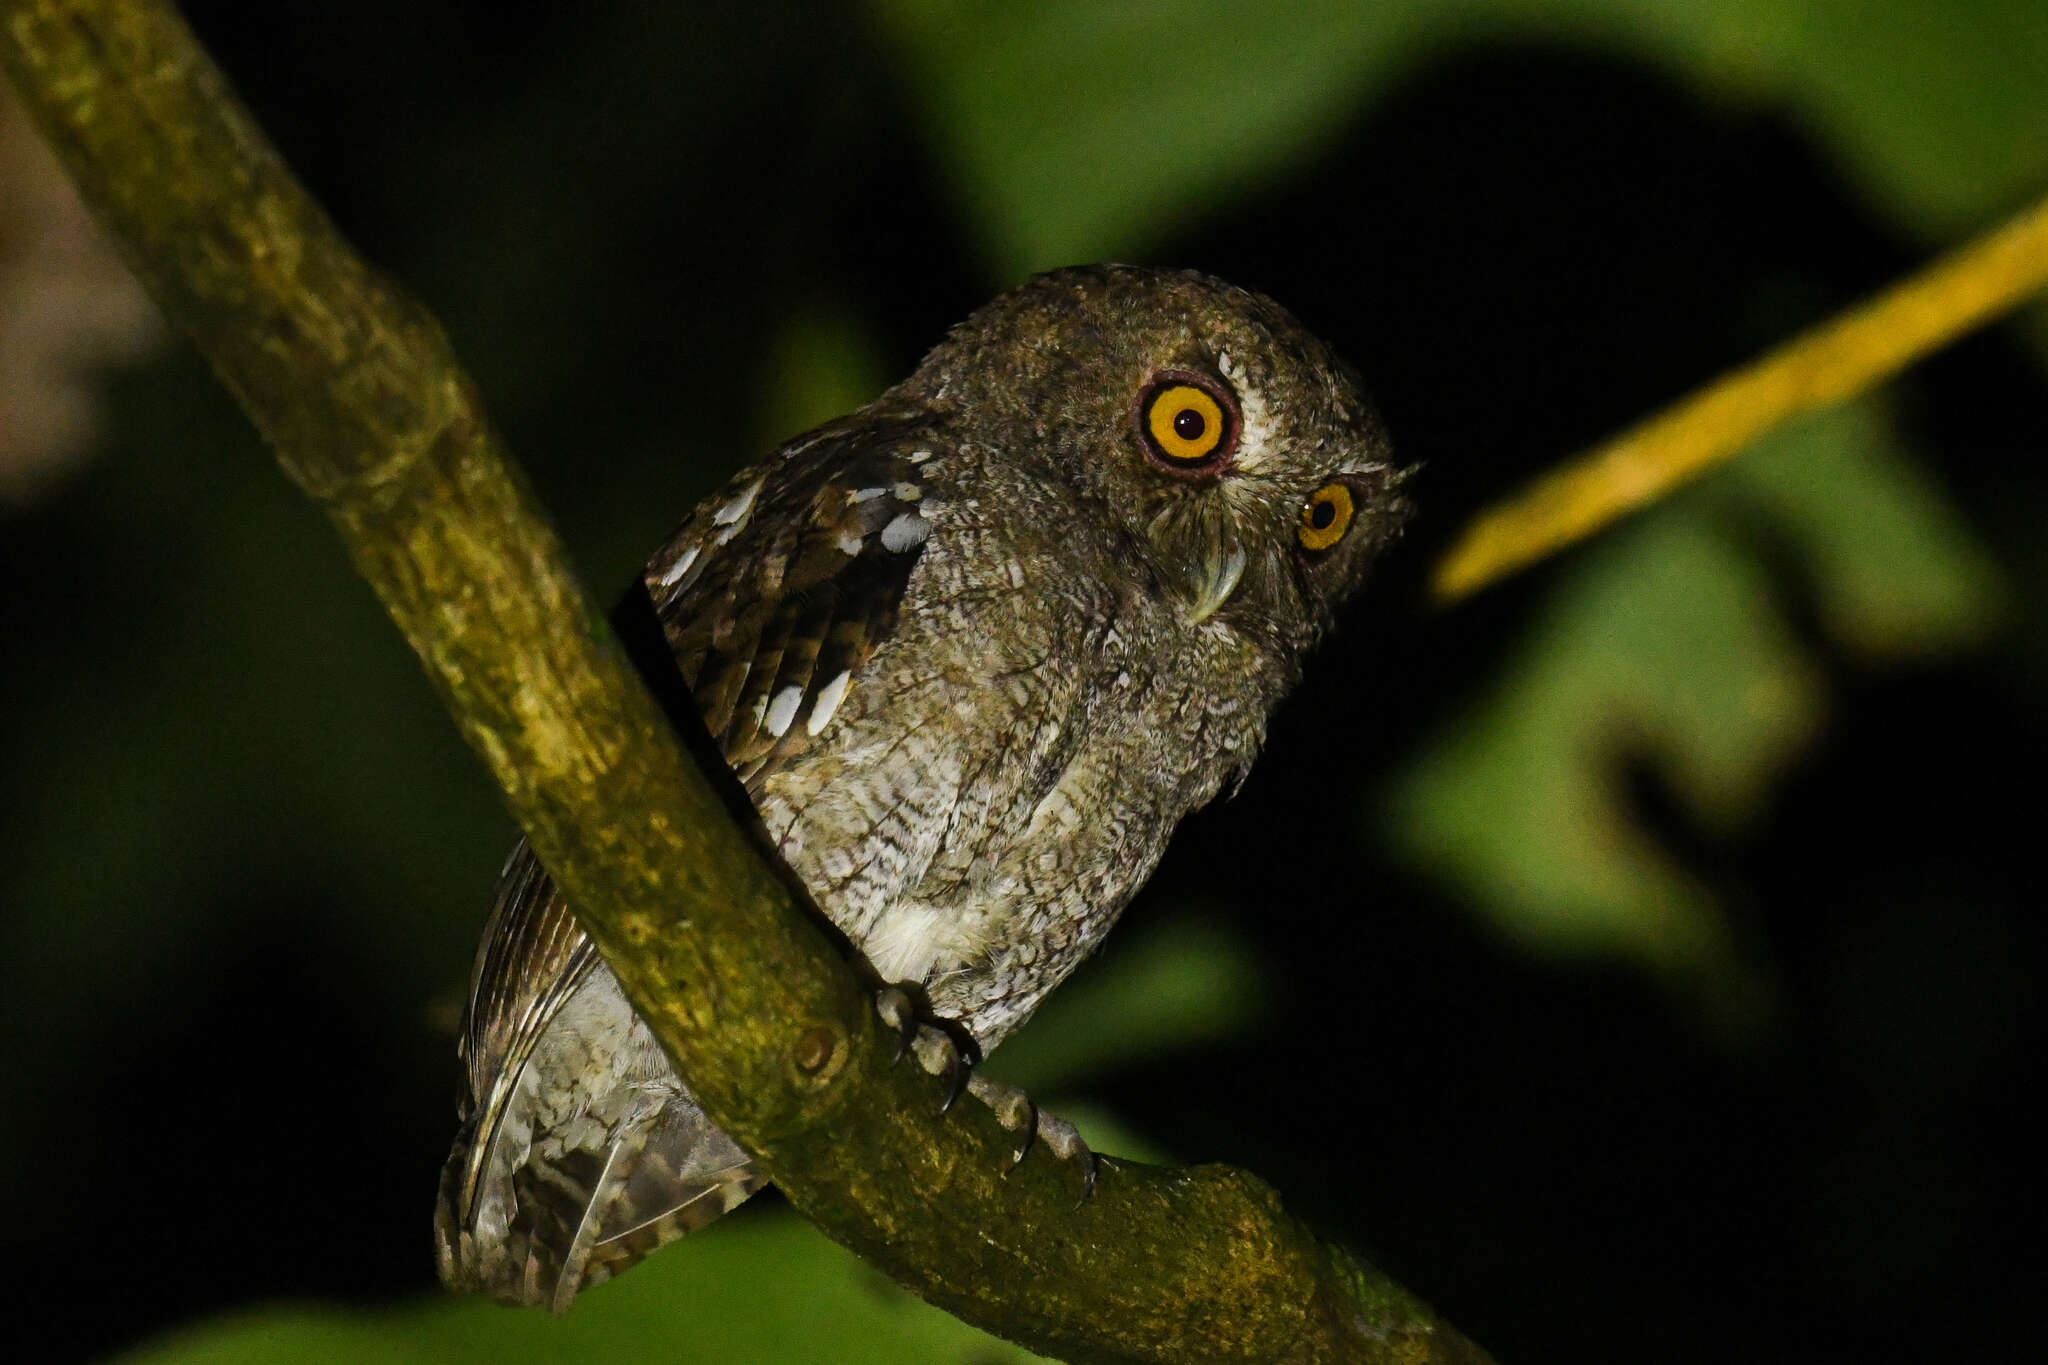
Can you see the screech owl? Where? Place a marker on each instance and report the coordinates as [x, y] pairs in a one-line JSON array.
[[973, 651]]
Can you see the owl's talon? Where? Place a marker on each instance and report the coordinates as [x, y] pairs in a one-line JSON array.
[[944, 1047], [946, 1051], [1065, 1142], [963, 1042], [957, 1076], [899, 1012], [1015, 1111], [1029, 1136]]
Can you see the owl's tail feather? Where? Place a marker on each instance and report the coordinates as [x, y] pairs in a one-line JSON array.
[[551, 1218], [689, 1206]]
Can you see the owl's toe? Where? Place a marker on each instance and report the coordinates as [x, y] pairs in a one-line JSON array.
[[900, 1013], [1063, 1140], [1012, 1108], [1017, 1113], [944, 1047], [943, 1054]]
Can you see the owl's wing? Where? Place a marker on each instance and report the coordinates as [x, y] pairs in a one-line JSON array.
[[773, 594], [532, 960], [776, 593], [580, 1150]]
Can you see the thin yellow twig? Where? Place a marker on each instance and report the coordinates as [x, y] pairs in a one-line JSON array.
[[1839, 358]]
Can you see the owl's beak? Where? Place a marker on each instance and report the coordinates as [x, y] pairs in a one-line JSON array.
[[1222, 567]]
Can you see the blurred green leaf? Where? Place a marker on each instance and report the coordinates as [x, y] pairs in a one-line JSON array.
[[217, 621], [1078, 131], [823, 364], [1183, 984], [1665, 644], [1895, 569], [759, 1286]]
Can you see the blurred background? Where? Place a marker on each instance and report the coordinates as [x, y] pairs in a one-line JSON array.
[[1639, 961]]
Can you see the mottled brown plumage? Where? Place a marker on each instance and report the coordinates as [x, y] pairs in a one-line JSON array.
[[973, 650]]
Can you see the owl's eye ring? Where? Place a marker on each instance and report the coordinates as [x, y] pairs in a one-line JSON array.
[[1326, 516], [1188, 423]]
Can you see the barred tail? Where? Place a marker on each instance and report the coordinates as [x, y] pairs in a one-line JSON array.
[[589, 1158]]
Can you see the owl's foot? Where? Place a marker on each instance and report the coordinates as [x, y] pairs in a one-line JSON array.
[[943, 1046], [1016, 1112]]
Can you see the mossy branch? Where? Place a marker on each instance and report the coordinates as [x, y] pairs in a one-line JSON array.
[[1836, 360], [357, 391]]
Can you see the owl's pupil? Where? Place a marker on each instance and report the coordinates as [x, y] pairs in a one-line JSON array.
[[1188, 425], [1322, 514]]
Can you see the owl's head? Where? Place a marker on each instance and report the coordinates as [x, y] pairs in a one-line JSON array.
[[1233, 452]]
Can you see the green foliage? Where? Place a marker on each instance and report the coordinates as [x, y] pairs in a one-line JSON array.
[[768, 1286], [1894, 570], [1666, 644], [1081, 131], [1188, 984], [822, 365]]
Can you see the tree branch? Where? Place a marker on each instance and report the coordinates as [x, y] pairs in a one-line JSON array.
[[1831, 362], [357, 391]]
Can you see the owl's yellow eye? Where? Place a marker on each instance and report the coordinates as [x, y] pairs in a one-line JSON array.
[[1325, 517], [1186, 426]]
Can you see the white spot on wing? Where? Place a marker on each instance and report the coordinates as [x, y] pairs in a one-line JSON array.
[[680, 567], [798, 447], [740, 504], [827, 704], [782, 710], [849, 542], [907, 531], [866, 495]]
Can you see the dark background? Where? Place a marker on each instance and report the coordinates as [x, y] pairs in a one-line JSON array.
[[248, 857]]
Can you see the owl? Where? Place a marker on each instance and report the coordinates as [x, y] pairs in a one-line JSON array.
[[972, 651]]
